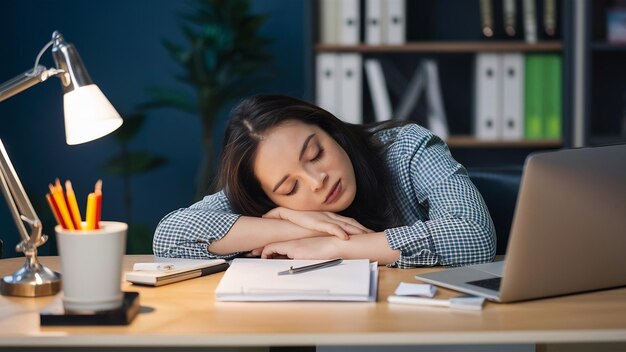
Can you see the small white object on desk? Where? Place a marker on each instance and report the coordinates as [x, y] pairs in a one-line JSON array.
[[423, 290], [461, 302]]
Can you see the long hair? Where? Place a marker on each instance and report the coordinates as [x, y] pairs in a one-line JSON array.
[[251, 118]]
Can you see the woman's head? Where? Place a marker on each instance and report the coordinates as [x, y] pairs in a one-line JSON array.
[[281, 151]]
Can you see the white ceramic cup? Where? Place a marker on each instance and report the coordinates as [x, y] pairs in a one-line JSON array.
[[91, 267]]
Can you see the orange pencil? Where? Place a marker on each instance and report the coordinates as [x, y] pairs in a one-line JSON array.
[[55, 210], [91, 212], [73, 205], [60, 202], [98, 193]]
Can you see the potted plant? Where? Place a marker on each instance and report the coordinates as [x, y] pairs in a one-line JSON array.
[[223, 58]]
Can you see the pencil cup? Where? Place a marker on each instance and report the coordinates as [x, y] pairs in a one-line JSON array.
[[91, 267]]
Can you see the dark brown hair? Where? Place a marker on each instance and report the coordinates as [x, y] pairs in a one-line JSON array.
[[252, 117]]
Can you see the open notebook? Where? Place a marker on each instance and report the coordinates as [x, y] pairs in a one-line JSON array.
[[258, 280]]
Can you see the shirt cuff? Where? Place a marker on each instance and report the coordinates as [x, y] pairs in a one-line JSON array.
[[415, 245]]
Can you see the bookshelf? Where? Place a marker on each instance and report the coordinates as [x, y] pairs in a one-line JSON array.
[[446, 47], [454, 44], [604, 106]]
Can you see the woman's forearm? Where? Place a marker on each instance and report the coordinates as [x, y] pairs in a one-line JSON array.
[[250, 233], [373, 246]]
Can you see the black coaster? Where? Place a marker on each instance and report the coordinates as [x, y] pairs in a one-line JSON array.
[[121, 316]]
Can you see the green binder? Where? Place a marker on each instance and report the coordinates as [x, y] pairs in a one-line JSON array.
[[552, 97], [534, 93]]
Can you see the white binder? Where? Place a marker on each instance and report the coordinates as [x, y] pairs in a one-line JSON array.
[[437, 122], [378, 90], [375, 21], [351, 84], [349, 27], [396, 21], [329, 21], [327, 82], [512, 96], [488, 92]]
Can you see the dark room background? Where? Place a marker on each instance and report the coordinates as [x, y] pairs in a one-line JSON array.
[[120, 43]]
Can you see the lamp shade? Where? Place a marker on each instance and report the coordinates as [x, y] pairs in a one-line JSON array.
[[88, 115]]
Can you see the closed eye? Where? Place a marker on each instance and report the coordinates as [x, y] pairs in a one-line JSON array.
[[294, 189], [319, 155]]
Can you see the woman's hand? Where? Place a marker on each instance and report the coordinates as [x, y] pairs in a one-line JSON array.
[[321, 221], [305, 248]]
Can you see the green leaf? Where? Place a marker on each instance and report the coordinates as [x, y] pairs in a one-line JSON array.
[[125, 164]]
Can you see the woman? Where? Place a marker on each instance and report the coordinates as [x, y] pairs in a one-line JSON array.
[[298, 182]]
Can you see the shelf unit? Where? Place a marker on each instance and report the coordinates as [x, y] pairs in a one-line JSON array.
[[454, 50], [604, 115], [462, 141], [445, 47]]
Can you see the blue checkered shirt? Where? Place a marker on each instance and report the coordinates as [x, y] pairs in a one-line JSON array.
[[444, 219]]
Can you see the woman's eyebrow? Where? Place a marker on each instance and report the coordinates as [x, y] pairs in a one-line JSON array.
[[304, 146]]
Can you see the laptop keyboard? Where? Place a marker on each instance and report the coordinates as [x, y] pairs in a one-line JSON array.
[[491, 284]]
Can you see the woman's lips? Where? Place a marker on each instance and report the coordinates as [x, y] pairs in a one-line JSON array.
[[334, 193]]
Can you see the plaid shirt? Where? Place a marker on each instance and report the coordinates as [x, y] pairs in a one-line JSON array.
[[445, 220]]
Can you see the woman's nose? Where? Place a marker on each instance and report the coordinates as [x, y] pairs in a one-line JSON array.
[[317, 179]]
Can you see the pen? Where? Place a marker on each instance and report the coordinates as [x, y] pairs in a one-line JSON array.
[[306, 268]]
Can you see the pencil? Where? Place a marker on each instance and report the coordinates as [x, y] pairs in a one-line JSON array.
[[91, 212], [55, 210], [60, 202], [98, 193], [73, 205]]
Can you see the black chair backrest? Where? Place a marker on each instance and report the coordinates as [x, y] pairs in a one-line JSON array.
[[499, 187]]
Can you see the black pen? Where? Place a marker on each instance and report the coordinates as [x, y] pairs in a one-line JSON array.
[[303, 269]]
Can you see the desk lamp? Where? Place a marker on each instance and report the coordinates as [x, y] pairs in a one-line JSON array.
[[88, 116]]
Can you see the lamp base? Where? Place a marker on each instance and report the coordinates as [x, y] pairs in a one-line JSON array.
[[31, 280]]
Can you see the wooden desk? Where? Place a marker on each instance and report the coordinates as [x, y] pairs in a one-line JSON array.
[[186, 314]]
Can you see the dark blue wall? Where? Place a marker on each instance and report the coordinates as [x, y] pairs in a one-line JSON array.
[[120, 44]]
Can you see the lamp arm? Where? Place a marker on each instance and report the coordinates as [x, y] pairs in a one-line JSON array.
[[19, 204], [26, 80]]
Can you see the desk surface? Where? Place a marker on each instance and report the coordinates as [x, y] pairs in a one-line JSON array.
[[186, 314]]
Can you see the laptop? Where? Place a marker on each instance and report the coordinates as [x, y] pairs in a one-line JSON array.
[[568, 233]]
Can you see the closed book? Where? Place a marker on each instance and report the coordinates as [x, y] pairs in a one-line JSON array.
[[488, 111], [513, 96], [530, 20], [552, 106], [183, 269], [534, 96]]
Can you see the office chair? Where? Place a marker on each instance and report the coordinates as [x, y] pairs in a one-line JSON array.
[[499, 187]]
